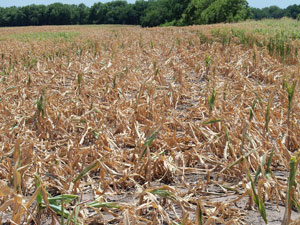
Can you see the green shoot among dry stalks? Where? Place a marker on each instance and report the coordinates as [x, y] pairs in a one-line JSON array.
[[267, 172], [207, 63], [40, 106], [267, 115], [39, 197], [79, 82], [56, 204], [199, 214], [257, 199], [149, 141], [87, 169], [291, 190], [211, 99], [290, 90], [251, 111], [163, 193], [29, 81], [211, 121]]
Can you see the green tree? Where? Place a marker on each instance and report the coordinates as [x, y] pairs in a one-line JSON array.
[[32, 15], [83, 12], [97, 13], [59, 14], [115, 12], [216, 11], [275, 12], [292, 11], [10, 16], [257, 14], [153, 17], [139, 9], [194, 9], [164, 12]]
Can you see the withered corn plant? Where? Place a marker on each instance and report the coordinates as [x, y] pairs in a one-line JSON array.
[[116, 125]]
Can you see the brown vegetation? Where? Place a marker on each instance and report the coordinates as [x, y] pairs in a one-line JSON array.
[[142, 126]]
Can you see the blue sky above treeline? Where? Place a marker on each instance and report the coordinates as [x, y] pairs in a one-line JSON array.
[[252, 3]]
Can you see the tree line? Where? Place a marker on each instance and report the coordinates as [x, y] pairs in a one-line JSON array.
[[145, 13], [292, 11]]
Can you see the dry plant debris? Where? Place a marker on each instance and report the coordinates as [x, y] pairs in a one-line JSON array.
[[124, 125]]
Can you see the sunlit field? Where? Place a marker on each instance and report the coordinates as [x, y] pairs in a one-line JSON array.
[[129, 125]]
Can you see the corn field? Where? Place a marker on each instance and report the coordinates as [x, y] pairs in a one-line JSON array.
[[129, 125]]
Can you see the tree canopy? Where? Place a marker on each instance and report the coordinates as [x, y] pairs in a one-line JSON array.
[[216, 11], [145, 13], [275, 12]]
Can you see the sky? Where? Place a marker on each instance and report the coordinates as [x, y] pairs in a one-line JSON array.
[[266, 3], [252, 3]]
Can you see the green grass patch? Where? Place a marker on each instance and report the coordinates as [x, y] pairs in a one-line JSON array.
[[43, 36]]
